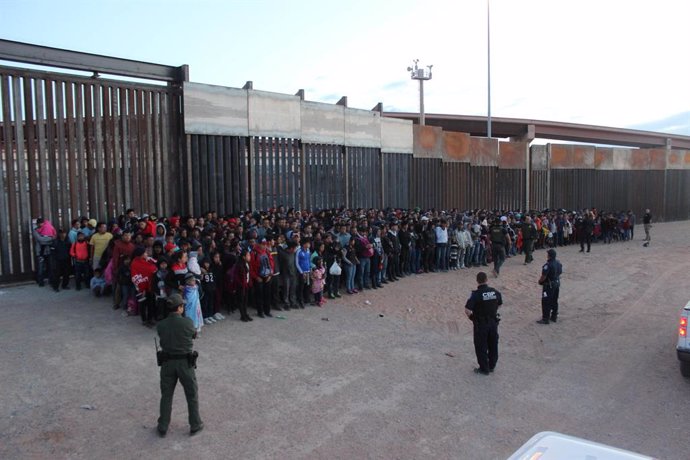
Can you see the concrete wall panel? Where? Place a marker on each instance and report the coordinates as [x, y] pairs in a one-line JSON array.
[[397, 136], [603, 158], [512, 155], [428, 142], [621, 158], [540, 157], [215, 110], [323, 123], [274, 115], [484, 151], [362, 128], [457, 147]]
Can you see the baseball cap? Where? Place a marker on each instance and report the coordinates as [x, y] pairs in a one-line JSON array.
[[174, 301]]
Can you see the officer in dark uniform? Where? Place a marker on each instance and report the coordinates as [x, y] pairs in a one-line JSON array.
[[482, 309], [177, 361], [529, 235], [498, 235], [586, 229], [550, 281]]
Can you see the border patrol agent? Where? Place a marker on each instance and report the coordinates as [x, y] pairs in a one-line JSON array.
[[177, 361], [482, 309], [550, 281]]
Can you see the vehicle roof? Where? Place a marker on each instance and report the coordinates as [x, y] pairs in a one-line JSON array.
[[549, 445]]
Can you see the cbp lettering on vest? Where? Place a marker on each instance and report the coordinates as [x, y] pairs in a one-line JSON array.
[[482, 309], [550, 281]]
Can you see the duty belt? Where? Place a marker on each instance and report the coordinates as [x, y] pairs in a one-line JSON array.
[[171, 357]]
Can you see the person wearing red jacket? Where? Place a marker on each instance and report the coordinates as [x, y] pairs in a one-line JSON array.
[[262, 269], [143, 268], [238, 283], [79, 252], [123, 247]]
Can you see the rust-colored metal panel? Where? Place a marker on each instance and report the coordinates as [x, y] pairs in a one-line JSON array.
[[483, 151], [675, 159], [657, 159], [457, 147], [561, 156], [639, 159], [583, 156], [512, 155], [428, 142]]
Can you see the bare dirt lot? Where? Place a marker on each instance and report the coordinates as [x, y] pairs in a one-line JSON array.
[[78, 380]]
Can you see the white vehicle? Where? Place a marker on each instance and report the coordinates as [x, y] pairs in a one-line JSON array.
[[549, 445], [683, 347]]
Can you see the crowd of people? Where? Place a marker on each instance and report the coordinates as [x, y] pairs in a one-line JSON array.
[[282, 259]]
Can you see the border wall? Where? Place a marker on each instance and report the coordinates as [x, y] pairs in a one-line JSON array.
[[74, 146]]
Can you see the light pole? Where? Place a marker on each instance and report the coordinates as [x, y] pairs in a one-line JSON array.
[[488, 68], [420, 74]]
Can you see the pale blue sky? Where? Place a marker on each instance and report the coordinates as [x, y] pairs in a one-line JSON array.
[[605, 62]]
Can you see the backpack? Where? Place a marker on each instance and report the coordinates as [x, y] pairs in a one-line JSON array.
[[264, 266]]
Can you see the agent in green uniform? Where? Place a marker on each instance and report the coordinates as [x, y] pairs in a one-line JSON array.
[[178, 362]]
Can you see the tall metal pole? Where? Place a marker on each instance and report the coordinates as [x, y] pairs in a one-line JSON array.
[[421, 102], [488, 65]]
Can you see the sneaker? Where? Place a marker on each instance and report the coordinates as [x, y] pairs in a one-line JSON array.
[[478, 370], [218, 316], [269, 315], [543, 321], [207, 321], [331, 296], [337, 295]]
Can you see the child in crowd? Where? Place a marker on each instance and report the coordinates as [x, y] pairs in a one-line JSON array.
[[124, 280], [350, 262], [318, 274], [164, 284], [208, 293], [242, 284], [192, 308], [97, 282], [80, 256]]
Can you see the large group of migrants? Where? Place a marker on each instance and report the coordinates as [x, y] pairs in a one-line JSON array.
[[283, 259]]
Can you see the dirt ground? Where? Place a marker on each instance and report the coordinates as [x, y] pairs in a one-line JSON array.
[[375, 380]]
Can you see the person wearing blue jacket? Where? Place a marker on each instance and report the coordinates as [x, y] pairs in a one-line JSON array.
[[303, 262]]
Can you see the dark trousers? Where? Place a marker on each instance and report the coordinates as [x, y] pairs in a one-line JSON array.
[[60, 271], [207, 302], [429, 252], [549, 301], [262, 297], [333, 284], [498, 252], [528, 247], [405, 261], [486, 343], [586, 239], [147, 306], [290, 290], [171, 372], [241, 300], [81, 273], [303, 289]]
